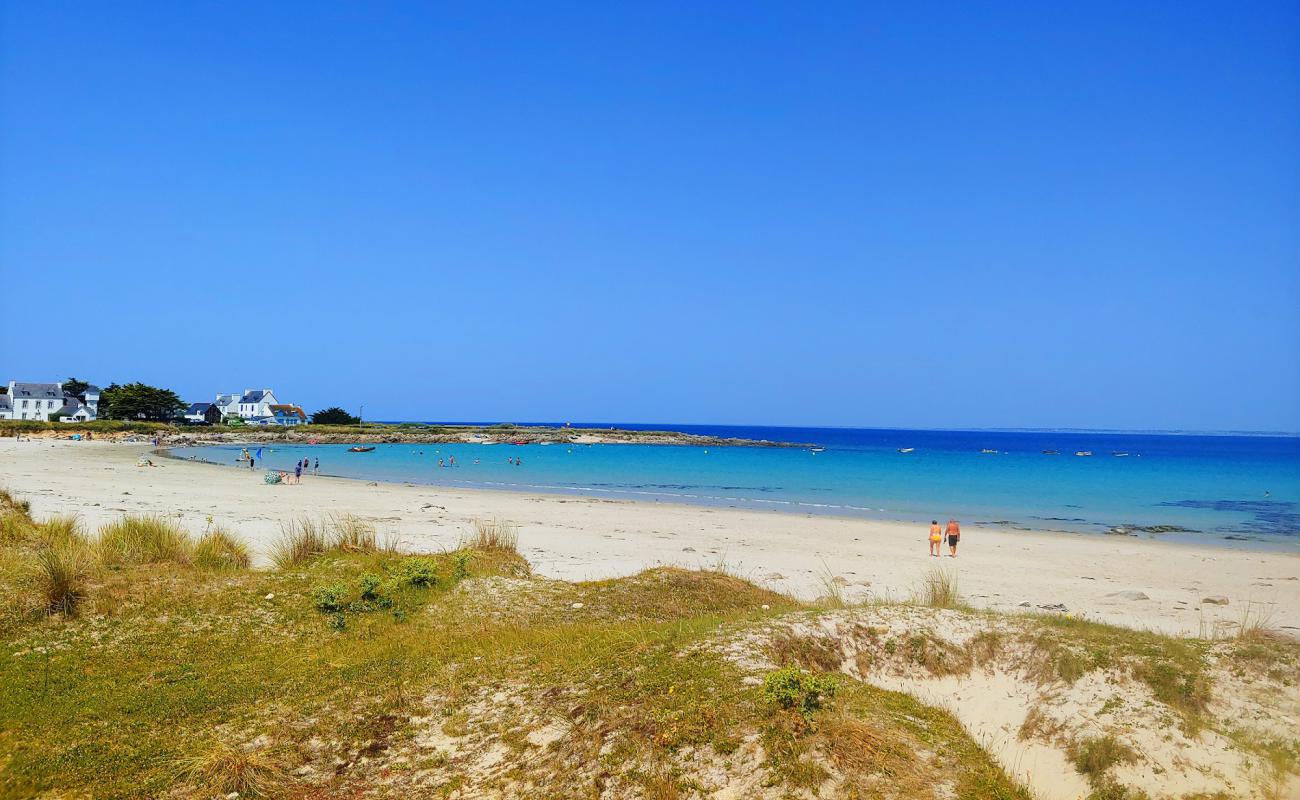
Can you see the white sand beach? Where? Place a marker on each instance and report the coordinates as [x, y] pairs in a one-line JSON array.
[[1127, 581]]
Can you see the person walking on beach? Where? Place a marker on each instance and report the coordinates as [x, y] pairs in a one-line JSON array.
[[936, 538], [297, 472], [954, 536], [316, 469], [251, 462]]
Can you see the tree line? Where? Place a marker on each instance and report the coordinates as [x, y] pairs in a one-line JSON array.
[[140, 401]]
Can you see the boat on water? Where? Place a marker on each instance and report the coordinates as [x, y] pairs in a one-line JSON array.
[[817, 449], [1119, 455], [520, 442], [1051, 452], [987, 452], [1083, 453], [360, 449], [906, 449]]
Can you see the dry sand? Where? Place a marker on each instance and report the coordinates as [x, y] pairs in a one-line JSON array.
[[588, 538]]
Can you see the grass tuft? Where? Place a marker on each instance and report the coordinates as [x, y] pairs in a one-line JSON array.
[[143, 540], [939, 588], [226, 768], [494, 534], [300, 540], [1094, 757], [218, 549], [62, 571], [351, 534]]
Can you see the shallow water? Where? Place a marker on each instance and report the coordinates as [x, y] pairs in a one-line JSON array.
[[1228, 490]]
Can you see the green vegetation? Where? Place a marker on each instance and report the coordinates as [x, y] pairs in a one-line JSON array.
[[334, 416], [793, 688], [138, 401], [355, 671]]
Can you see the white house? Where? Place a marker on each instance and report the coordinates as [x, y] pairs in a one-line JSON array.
[[252, 404], [228, 405], [39, 400]]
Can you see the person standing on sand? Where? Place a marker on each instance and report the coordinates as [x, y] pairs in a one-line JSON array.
[[954, 536], [936, 538], [297, 472], [316, 469], [251, 462]]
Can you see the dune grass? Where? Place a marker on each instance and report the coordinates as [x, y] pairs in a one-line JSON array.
[[224, 768], [494, 534], [143, 539], [63, 571], [306, 538], [938, 588], [218, 549]]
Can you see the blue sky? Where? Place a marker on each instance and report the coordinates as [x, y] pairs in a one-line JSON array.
[[936, 215]]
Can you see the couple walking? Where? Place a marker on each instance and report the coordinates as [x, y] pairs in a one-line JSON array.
[[953, 532]]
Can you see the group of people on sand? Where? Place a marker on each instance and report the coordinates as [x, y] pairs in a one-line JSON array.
[[952, 532], [299, 467]]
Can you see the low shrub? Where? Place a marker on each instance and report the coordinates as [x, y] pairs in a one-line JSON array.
[[370, 583], [794, 688], [460, 565], [421, 572], [330, 599]]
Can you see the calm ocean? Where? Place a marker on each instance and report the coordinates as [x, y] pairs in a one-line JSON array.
[[1232, 490]]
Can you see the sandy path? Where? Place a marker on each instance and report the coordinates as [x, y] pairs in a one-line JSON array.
[[580, 538]]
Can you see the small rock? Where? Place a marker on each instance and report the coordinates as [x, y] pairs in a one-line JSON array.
[[688, 549], [1026, 604], [1129, 595], [576, 605], [1215, 600], [271, 596], [233, 796], [766, 607], [1056, 607], [750, 680]]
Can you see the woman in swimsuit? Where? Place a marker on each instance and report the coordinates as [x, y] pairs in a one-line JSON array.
[[936, 538]]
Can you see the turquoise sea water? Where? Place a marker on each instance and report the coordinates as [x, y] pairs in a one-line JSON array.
[[1231, 490]]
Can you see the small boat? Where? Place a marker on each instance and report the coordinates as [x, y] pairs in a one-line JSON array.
[[906, 449], [1118, 454], [520, 442], [1051, 452], [1084, 453], [817, 449], [986, 451], [360, 449]]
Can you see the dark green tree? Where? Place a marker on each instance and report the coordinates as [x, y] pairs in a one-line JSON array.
[[334, 416], [139, 401], [75, 387]]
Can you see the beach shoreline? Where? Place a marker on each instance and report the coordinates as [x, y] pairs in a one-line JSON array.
[[1129, 581]]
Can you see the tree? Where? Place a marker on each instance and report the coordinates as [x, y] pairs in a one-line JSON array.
[[75, 387], [334, 416], [139, 401]]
